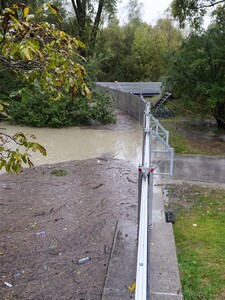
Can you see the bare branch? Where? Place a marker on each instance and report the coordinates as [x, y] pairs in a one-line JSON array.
[[211, 4]]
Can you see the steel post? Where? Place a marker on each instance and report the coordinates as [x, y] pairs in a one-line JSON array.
[[139, 192], [150, 196]]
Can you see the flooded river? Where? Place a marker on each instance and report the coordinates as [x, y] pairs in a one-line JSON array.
[[77, 143]]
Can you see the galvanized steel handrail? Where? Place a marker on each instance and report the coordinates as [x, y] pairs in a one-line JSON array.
[[151, 128], [139, 109], [142, 272]]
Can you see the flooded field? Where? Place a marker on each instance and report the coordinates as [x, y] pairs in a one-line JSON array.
[[75, 143]]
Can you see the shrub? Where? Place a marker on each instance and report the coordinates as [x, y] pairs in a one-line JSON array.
[[30, 106]]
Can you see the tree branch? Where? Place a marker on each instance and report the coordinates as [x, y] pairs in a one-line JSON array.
[[97, 22], [20, 65], [211, 4]]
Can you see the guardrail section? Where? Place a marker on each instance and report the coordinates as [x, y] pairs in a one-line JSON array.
[[152, 129]]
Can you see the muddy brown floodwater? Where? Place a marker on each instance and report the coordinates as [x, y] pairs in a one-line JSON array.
[[56, 214], [122, 140]]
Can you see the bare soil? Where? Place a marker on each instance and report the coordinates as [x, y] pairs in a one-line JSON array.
[[49, 222], [54, 215]]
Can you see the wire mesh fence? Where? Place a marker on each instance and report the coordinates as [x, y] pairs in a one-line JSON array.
[[127, 102]]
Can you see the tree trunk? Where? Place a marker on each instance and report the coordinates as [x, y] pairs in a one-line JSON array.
[[79, 7], [219, 115], [96, 25], [220, 124]]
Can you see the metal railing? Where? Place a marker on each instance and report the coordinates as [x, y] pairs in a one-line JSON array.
[[153, 131]]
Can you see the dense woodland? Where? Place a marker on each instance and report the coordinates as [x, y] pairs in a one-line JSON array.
[[51, 55]]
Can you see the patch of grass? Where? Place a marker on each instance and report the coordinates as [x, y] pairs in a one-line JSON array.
[[200, 240], [59, 172], [194, 137], [179, 142]]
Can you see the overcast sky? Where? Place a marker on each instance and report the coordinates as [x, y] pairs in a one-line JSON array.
[[153, 9]]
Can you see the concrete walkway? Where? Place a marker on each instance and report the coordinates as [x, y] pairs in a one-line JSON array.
[[199, 168], [164, 273]]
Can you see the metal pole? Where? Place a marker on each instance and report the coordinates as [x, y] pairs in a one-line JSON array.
[[129, 103], [171, 162], [150, 195], [139, 110], [117, 99], [139, 192], [143, 148]]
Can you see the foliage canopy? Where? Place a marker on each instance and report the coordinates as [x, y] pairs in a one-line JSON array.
[[193, 10], [38, 52], [196, 72]]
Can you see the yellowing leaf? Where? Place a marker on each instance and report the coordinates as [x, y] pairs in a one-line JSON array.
[[74, 90], [62, 35], [54, 10], [132, 287], [88, 93], [26, 53], [71, 82], [16, 21], [26, 11]]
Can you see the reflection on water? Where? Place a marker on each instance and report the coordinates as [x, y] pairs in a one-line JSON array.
[[78, 143]]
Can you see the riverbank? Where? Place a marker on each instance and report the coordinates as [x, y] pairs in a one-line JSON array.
[[54, 215], [195, 136]]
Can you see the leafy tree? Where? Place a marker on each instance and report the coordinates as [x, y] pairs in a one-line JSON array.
[[196, 73], [168, 33], [110, 50], [37, 52], [137, 51], [193, 10], [134, 10], [89, 16]]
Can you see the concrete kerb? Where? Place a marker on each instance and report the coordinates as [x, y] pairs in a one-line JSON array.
[[164, 272], [122, 264]]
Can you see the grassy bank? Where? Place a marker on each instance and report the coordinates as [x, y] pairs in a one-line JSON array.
[[200, 239], [189, 136], [200, 212]]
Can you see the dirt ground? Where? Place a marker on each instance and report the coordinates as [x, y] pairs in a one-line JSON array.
[[54, 215], [49, 222]]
